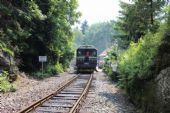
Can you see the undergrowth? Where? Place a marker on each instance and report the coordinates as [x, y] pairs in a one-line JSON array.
[[134, 63], [5, 85], [5, 49], [50, 70]]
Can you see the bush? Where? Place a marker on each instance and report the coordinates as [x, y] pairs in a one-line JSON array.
[[59, 68], [108, 70], [40, 75], [134, 63], [5, 49], [109, 62], [51, 70], [5, 85], [55, 69]]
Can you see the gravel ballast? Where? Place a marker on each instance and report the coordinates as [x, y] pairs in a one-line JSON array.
[[29, 91], [105, 97]]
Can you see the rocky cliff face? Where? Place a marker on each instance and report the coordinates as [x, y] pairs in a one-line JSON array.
[[155, 97], [163, 90], [7, 63], [162, 79], [4, 60]]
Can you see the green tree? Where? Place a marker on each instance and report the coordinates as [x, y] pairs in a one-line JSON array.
[[84, 27], [100, 35], [38, 27], [139, 17], [78, 37]]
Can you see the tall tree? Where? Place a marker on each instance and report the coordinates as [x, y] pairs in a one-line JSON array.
[[154, 7], [84, 27], [139, 17]]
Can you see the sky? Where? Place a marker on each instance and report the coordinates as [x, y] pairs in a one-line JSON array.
[[95, 11]]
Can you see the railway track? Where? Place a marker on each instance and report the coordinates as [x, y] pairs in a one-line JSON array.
[[68, 97]]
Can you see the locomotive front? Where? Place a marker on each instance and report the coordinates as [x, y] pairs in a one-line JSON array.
[[86, 59]]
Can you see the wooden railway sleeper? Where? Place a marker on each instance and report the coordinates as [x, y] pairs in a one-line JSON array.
[[38, 103], [76, 107]]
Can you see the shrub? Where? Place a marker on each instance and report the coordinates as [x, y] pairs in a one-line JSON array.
[[49, 71], [40, 75], [59, 68], [109, 62], [52, 70], [134, 63], [5, 49], [107, 69], [55, 69], [5, 85]]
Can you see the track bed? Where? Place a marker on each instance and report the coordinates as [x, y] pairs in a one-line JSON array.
[[67, 98]]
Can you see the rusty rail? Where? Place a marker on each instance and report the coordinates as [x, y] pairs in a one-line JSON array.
[[77, 105], [38, 103]]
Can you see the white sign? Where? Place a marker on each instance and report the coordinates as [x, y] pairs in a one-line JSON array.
[[42, 58]]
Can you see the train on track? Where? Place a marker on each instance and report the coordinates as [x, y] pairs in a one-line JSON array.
[[86, 59]]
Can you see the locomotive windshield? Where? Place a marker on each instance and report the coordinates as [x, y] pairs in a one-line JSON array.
[[86, 59], [87, 52]]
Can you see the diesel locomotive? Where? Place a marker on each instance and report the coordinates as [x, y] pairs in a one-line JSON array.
[[86, 59]]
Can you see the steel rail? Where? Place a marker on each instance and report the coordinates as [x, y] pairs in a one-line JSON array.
[[77, 105], [39, 102]]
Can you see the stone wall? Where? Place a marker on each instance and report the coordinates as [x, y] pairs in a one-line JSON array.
[[155, 96], [163, 90]]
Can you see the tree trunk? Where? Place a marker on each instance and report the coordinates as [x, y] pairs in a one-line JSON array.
[[151, 6]]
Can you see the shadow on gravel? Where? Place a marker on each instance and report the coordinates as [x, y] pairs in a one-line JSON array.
[[120, 101]]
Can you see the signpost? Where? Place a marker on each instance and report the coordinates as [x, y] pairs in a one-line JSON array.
[[42, 59]]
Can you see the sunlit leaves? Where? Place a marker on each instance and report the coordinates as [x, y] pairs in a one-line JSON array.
[[34, 10], [134, 62]]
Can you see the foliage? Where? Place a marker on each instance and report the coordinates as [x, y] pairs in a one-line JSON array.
[[84, 27], [59, 68], [5, 85], [140, 64], [100, 35], [79, 38], [111, 61], [139, 17], [51, 70], [162, 58], [55, 69], [35, 28], [108, 69], [40, 75], [5, 49], [134, 63]]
